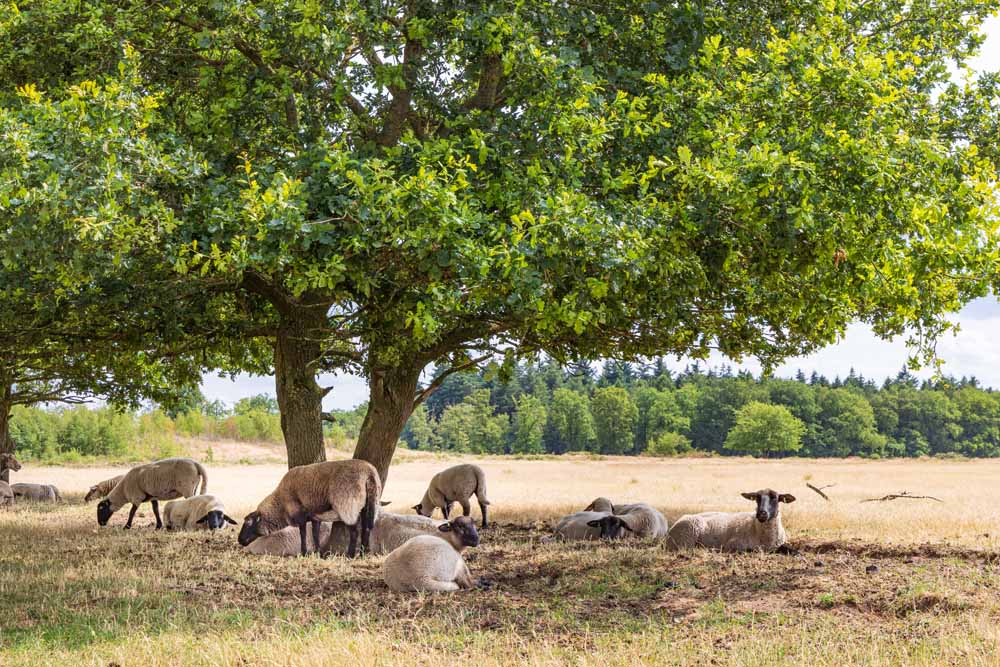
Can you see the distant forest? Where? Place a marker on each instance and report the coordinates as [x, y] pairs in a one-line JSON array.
[[646, 409]]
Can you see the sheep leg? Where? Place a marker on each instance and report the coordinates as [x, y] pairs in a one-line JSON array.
[[482, 508], [302, 537], [446, 508], [466, 507], [131, 515], [437, 586], [352, 546], [156, 513], [315, 525]]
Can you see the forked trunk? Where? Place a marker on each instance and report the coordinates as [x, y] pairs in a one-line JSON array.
[[300, 398], [391, 397]]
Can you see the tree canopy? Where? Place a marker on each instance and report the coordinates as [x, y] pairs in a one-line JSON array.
[[381, 186]]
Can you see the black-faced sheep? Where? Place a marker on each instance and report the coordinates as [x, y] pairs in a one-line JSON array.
[[166, 479], [102, 489], [455, 484], [433, 562], [734, 531], [196, 513]]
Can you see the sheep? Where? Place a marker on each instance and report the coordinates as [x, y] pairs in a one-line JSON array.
[[433, 562], [390, 532], [581, 526], [36, 492], [196, 513], [346, 491], [6, 495], [161, 480], [455, 484], [734, 531], [285, 542], [102, 489], [8, 462], [644, 519]]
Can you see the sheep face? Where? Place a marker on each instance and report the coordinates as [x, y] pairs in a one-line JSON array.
[[104, 512], [253, 527], [465, 528], [767, 503], [612, 527], [423, 511], [9, 461], [216, 519], [90, 494]]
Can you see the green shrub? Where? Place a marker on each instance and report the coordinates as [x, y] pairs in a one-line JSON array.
[[668, 444]]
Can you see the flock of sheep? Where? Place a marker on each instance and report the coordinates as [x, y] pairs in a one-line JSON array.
[[335, 507]]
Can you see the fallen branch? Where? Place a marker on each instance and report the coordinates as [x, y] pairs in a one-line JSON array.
[[901, 494], [819, 490]]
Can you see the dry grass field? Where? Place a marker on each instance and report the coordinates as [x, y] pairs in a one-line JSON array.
[[906, 582]]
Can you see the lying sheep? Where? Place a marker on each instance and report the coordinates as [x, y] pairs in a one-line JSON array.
[[639, 519], [196, 513], [581, 526], [734, 531], [391, 531], [455, 484], [36, 492], [161, 480], [285, 542], [102, 489], [433, 562], [346, 491], [6, 495]]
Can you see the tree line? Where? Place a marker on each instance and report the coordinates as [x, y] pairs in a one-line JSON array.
[[634, 408]]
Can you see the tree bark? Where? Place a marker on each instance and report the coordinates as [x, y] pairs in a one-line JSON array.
[[6, 442], [300, 398], [392, 394]]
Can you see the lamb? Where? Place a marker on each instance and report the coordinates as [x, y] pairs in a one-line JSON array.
[[645, 520], [346, 491], [455, 484], [6, 495], [391, 531], [433, 562], [734, 531], [196, 513], [581, 526], [102, 489], [285, 542], [166, 479], [36, 492]]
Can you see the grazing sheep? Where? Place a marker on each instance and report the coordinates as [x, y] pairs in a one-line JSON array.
[[581, 526], [161, 480], [346, 491], [6, 495], [102, 489], [36, 492], [433, 562], [285, 542], [196, 513], [452, 485], [390, 532], [734, 531]]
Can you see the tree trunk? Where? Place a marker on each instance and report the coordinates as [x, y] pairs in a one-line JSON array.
[[6, 442], [391, 401], [300, 398]]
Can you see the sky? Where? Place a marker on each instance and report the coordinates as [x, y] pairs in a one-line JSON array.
[[974, 350]]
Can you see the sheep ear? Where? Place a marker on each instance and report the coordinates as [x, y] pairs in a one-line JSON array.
[[416, 508], [383, 503], [626, 526], [786, 498], [229, 519], [202, 519], [751, 496], [445, 527]]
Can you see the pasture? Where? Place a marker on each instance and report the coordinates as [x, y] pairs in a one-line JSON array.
[[880, 583]]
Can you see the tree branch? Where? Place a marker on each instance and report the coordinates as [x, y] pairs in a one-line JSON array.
[[439, 380]]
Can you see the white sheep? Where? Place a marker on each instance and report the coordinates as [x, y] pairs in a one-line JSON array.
[[433, 562], [734, 531], [455, 484], [582, 526], [196, 513], [161, 480], [36, 492], [102, 489], [346, 491], [637, 519], [285, 542], [390, 532]]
